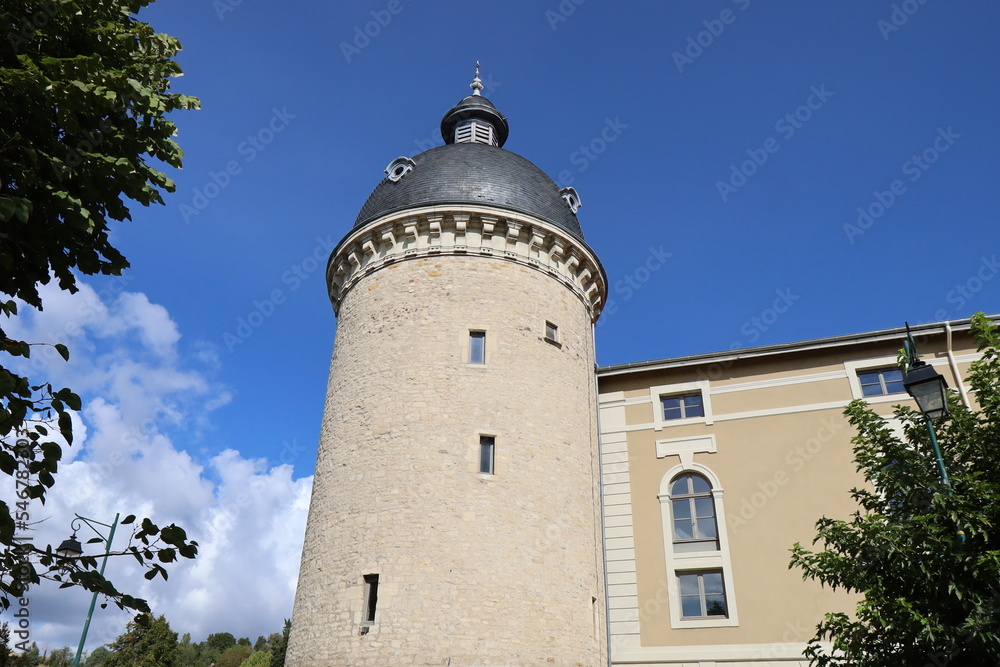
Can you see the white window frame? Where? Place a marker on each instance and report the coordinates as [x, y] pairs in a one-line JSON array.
[[865, 366], [702, 596], [656, 394], [681, 563], [692, 506]]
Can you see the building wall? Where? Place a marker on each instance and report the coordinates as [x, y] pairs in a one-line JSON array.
[[474, 569], [776, 442]]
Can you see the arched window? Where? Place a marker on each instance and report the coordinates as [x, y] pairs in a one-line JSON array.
[[692, 511]]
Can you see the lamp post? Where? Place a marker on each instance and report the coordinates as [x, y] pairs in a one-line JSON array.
[[929, 389], [71, 548]]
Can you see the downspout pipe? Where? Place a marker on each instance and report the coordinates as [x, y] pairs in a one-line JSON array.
[[954, 365]]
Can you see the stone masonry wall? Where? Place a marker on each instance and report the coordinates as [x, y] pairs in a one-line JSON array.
[[473, 569]]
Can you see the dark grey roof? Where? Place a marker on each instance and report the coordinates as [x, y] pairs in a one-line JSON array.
[[474, 106], [473, 174]]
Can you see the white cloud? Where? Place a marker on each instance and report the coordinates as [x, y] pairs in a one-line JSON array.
[[140, 391]]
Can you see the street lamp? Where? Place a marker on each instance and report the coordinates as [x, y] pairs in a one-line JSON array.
[[929, 389], [71, 548]]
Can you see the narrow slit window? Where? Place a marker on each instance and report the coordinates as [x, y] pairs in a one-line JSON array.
[[487, 454], [371, 599], [477, 347], [551, 332]]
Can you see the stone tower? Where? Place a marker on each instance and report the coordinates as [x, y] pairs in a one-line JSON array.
[[455, 515]]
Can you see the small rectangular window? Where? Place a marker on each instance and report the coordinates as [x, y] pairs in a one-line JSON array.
[[371, 599], [487, 454], [703, 595], [881, 382], [682, 407], [551, 332], [477, 347]]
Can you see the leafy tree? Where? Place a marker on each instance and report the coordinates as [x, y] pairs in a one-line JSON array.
[[280, 647], [154, 645], [258, 659], [61, 657], [98, 657], [260, 644], [8, 658], [187, 653], [221, 641], [233, 657], [30, 658], [243, 641], [84, 94], [929, 598]]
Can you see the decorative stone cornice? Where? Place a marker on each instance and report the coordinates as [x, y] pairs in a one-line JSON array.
[[433, 231]]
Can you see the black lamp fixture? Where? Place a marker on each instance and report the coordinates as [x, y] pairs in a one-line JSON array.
[[70, 548], [928, 389]]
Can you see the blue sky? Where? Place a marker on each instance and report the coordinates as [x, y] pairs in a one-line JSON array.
[[722, 151]]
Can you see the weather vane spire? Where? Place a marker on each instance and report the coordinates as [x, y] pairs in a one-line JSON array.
[[477, 83]]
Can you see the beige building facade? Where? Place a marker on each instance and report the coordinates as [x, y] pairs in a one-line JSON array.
[[714, 466]]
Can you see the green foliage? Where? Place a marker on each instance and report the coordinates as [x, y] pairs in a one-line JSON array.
[[928, 597], [260, 644], [194, 655], [280, 647], [233, 657], [258, 659], [61, 657], [218, 650], [84, 93], [154, 645], [98, 657], [221, 641]]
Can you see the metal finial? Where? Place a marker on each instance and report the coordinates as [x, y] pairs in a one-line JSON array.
[[477, 83]]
